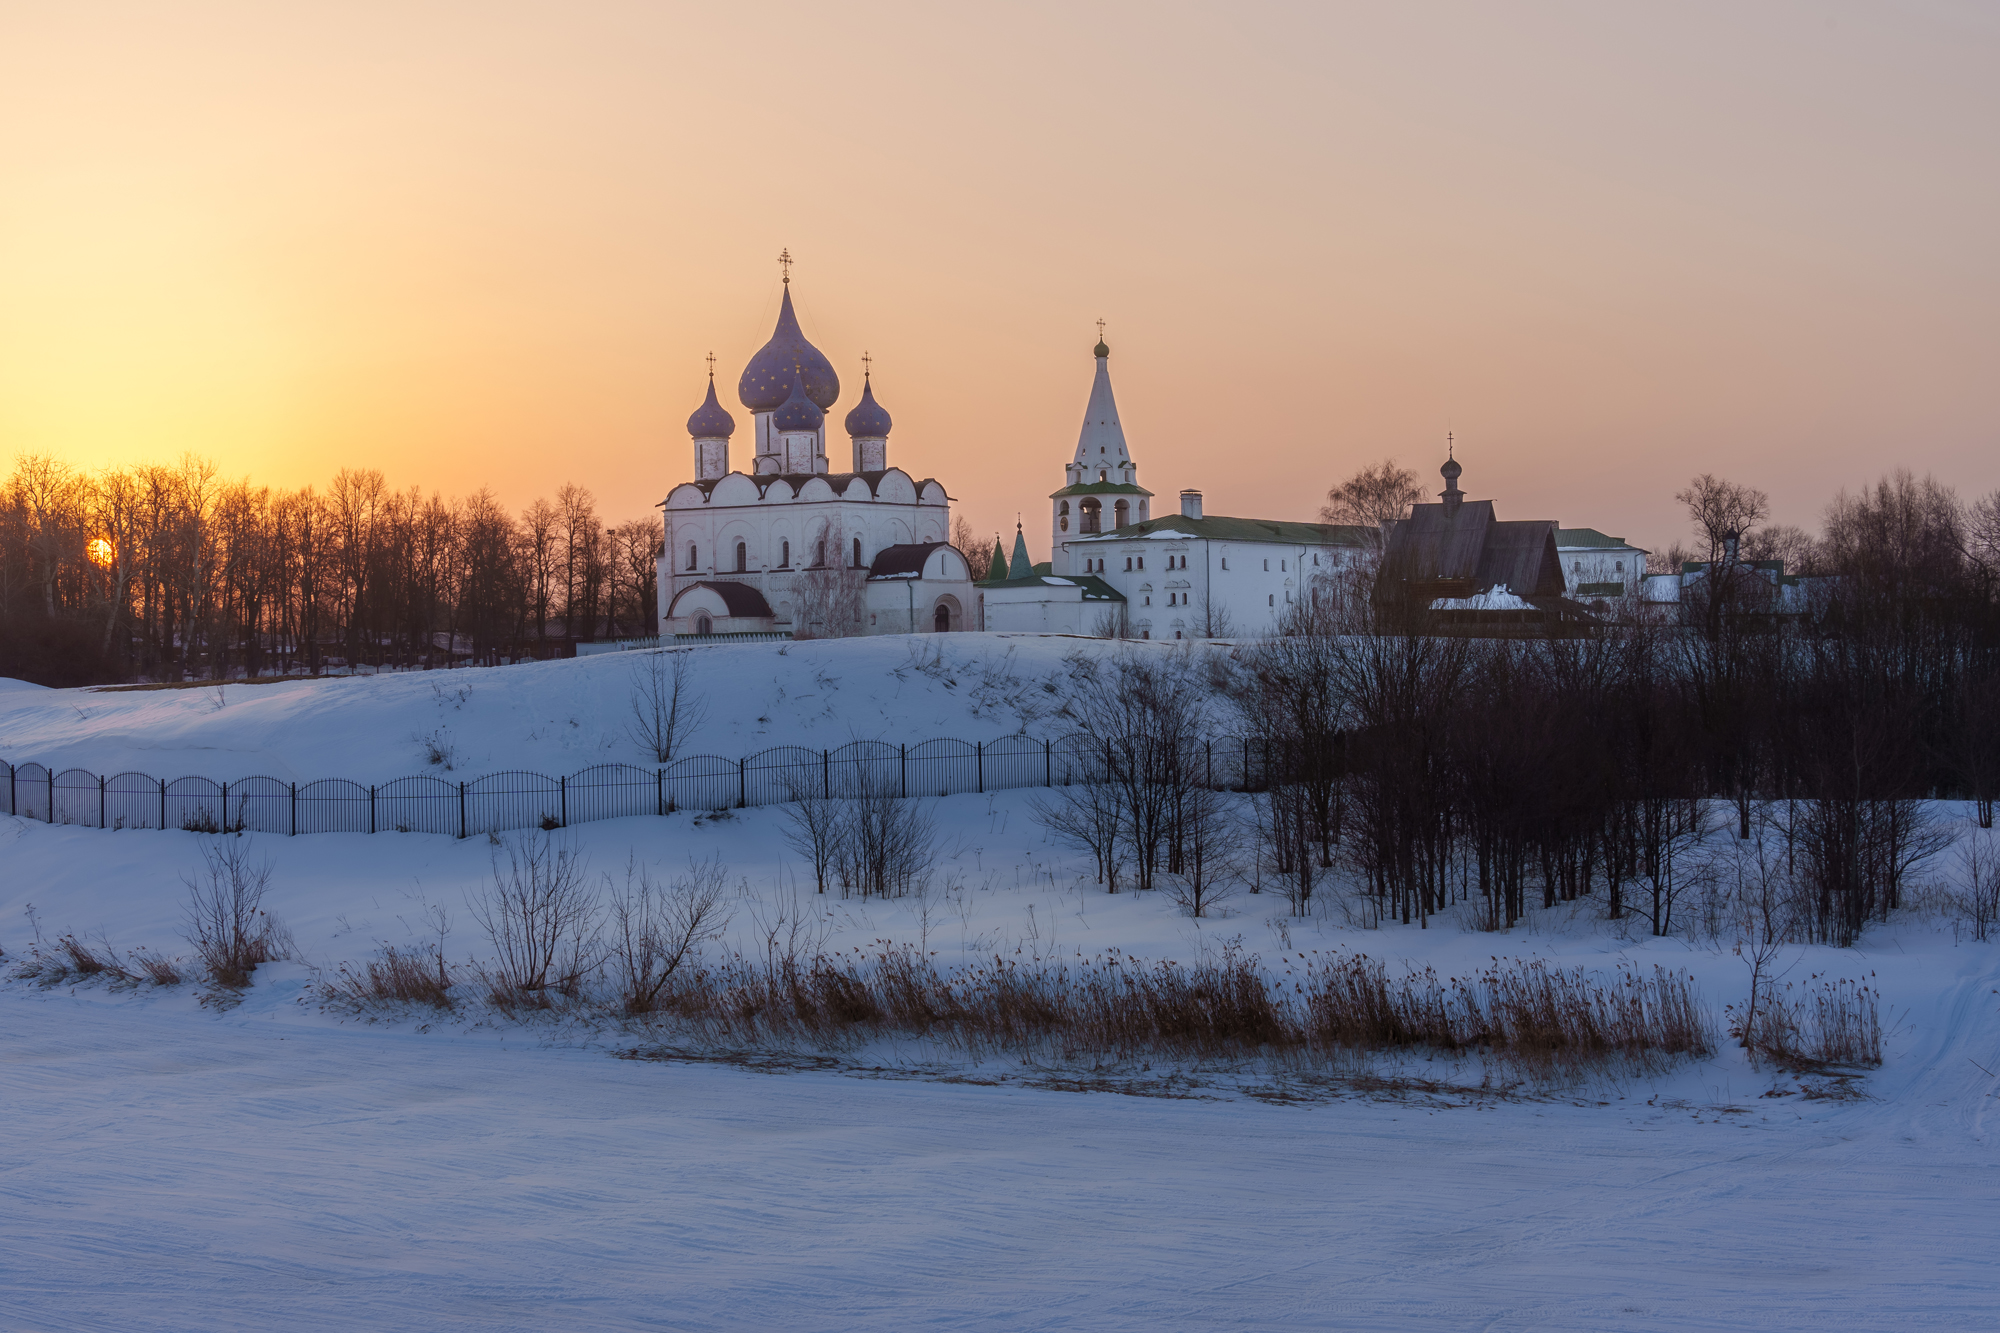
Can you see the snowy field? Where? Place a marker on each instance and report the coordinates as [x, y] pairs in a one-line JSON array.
[[172, 1162]]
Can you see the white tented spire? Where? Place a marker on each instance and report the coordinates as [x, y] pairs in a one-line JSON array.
[[1100, 446]]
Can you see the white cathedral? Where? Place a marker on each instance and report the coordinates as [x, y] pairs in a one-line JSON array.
[[792, 547]]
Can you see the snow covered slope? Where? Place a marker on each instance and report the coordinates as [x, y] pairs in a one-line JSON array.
[[176, 1165], [548, 717]]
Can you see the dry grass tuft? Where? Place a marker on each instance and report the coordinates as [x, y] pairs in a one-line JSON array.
[[157, 968], [1222, 1008], [399, 976], [1822, 1024]]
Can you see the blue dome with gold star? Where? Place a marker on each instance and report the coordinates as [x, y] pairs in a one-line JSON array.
[[798, 411], [868, 421], [711, 421], [767, 380]]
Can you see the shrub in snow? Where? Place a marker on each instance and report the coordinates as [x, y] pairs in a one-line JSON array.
[[226, 922], [655, 928], [541, 916]]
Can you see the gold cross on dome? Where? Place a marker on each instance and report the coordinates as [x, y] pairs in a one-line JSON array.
[[867, 364], [1100, 330], [785, 263], [711, 365]]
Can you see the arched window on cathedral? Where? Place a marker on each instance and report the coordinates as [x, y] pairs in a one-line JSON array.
[[742, 558], [819, 553], [702, 624], [1118, 514], [784, 555], [857, 553], [1062, 516], [690, 555], [1091, 510]]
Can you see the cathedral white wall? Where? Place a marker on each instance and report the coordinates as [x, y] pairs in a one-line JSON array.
[[734, 511]]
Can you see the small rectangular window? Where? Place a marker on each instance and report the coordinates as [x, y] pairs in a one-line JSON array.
[[1267, 566], [1142, 562], [1270, 599], [1281, 566], [1225, 562], [1128, 564]]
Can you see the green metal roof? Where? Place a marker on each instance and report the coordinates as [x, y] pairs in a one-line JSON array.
[[1100, 488], [1220, 529], [1094, 589], [1579, 538]]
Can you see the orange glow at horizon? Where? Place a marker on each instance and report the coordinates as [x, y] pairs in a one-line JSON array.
[[491, 244]]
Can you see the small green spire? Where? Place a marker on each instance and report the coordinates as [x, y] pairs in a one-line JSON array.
[[996, 568], [1020, 566]]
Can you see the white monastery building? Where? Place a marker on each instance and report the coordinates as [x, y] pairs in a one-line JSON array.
[[1115, 568], [791, 546]]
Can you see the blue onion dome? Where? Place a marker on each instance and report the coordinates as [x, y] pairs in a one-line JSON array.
[[768, 378], [711, 421], [868, 421], [797, 412], [1451, 470]]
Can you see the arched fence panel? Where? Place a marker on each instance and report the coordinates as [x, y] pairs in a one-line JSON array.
[[773, 775], [519, 800], [865, 768], [259, 804], [1014, 761], [513, 800], [614, 791], [1076, 758], [704, 782], [943, 767], [333, 805], [79, 798], [32, 791], [419, 804], [194, 804], [135, 800]]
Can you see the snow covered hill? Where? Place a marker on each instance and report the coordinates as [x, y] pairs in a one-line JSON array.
[[182, 1163], [548, 717]]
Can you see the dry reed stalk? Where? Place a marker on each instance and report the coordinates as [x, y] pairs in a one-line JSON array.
[[399, 976], [1228, 1008]]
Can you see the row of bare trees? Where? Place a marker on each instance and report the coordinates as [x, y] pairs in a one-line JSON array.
[[174, 572], [1421, 772]]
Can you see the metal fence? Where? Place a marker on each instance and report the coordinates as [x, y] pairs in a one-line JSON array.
[[515, 800]]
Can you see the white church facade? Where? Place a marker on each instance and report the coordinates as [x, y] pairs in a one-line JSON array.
[[791, 546], [1116, 569]]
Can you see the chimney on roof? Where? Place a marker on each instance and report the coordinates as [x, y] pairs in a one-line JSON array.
[[1190, 504]]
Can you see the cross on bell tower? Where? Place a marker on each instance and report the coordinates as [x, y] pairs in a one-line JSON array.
[[785, 263]]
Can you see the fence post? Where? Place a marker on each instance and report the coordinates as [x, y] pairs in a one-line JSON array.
[[52, 796], [100, 802], [12, 808], [371, 809], [979, 762], [295, 810], [659, 791], [903, 752], [826, 773], [163, 805], [742, 787], [461, 810], [1107, 759], [1048, 767], [562, 797]]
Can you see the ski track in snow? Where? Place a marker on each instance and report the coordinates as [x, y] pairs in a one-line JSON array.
[[167, 1166]]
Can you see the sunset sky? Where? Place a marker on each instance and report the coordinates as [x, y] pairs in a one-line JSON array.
[[1606, 245]]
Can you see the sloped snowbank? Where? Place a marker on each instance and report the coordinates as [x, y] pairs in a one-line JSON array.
[[550, 717]]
